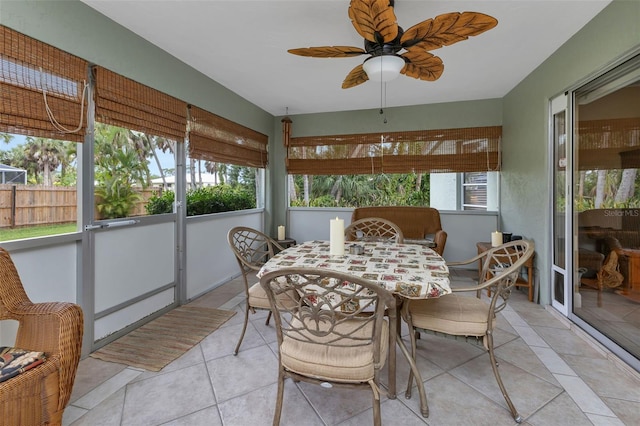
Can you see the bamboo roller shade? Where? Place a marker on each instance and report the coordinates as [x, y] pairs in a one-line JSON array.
[[126, 103], [27, 66], [428, 151], [608, 144], [217, 139]]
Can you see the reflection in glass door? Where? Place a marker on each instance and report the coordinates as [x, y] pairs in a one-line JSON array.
[[606, 200]]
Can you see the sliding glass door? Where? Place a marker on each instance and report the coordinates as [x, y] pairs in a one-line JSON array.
[[606, 209]]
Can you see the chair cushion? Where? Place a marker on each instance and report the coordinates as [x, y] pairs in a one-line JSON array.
[[14, 361], [335, 363], [451, 314], [258, 297]]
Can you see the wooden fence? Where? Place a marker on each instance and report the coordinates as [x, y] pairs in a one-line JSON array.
[[29, 205]]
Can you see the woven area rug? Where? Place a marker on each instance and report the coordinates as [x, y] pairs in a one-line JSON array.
[[160, 341]]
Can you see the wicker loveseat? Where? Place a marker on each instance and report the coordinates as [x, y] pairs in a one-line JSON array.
[[418, 224], [38, 396]]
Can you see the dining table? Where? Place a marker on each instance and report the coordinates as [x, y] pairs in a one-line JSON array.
[[408, 271]]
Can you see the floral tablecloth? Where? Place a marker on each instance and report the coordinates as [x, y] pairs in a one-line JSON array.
[[411, 270]]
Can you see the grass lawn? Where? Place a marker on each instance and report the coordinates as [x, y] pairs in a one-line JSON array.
[[7, 234]]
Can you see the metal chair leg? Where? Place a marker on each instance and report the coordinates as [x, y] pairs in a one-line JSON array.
[[424, 407], [411, 357], [494, 365], [244, 329], [279, 398], [377, 416]]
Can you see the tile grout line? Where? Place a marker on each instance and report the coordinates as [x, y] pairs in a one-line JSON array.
[[579, 391], [107, 388]]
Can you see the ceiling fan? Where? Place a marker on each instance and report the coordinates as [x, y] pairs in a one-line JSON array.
[[384, 40]]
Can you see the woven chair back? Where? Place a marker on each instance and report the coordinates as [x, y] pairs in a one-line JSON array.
[[334, 309], [501, 268], [373, 229], [12, 293], [251, 247]]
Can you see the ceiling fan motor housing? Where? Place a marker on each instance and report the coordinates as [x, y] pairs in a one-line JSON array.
[[378, 48]]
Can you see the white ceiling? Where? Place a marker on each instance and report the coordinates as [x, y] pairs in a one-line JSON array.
[[243, 46]]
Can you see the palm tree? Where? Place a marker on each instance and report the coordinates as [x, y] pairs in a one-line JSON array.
[[47, 154], [195, 174], [66, 163], [293, 196], [626, 188], [5, 137], [165, 145], [222, 172], [120, 165]]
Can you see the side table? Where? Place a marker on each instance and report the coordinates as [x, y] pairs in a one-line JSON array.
[[287, 242], [521, 282]]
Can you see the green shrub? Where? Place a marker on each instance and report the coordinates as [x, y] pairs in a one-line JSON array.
[[323, 201], [161, 204], [115, 200], [206, 200]]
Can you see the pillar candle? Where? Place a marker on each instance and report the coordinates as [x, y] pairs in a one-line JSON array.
[[336, 237], [496, 239], [281, 232]]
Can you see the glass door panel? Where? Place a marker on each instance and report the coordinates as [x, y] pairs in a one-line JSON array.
[[606, 197]]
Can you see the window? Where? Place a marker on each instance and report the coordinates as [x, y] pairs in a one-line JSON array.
[[474, 191], [135, 127], [42, 117], [391, 169], [226, 163], [38, 187], [410, 189]]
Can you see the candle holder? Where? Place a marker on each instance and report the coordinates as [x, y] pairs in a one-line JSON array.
[[356, 249]]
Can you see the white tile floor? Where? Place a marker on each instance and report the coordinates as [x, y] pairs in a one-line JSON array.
[[554, 374]]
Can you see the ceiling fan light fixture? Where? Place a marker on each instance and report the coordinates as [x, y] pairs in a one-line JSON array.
[[383, 67]]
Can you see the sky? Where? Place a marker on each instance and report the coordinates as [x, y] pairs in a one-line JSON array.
[[166, 159]]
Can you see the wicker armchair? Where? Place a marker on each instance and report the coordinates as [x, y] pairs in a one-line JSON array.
[[38, 396], [469, 318], [335, 334], [373, 229]]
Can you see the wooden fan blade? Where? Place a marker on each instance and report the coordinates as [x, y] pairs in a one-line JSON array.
[[328, 51], [444, 30], [374, 20], [422, 65], [355, 77]]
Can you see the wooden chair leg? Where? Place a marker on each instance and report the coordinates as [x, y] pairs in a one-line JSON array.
[[268, 318]]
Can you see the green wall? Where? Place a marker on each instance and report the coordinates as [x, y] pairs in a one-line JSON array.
[[525, 184]]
